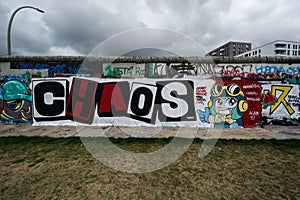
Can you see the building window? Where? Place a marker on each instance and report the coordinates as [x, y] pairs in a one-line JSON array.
[[289, 46], [299, 53], [288, 52], [259, 51]]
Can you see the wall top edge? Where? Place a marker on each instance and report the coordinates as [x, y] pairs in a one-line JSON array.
[[153, 59]]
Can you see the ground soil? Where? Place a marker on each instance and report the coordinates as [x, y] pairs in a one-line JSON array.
[[62, 168]]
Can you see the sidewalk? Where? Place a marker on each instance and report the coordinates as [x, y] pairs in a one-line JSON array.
[[268, 132]]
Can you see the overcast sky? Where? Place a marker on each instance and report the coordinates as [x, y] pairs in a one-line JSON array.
[[75, 27]]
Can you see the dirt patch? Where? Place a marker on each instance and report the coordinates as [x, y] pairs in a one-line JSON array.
[[48, 168]]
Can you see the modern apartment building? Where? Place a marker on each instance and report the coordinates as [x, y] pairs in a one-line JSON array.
[[276, 48], [231, 49]]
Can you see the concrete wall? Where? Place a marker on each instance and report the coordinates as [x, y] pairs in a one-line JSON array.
[[278, 77]]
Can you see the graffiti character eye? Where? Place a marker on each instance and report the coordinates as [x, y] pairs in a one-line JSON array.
[[233, 89], [216, 90], [231, 103], [14, 104], [218, 102]]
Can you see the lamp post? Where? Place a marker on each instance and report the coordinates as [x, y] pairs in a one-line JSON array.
[[10, 22]]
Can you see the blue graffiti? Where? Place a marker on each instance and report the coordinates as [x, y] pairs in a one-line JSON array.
[[53, 68], [273, 69]]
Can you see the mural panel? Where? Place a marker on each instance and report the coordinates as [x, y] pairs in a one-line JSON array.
[[15, 100], [191, 101], [197, 97], [280, 100], [123, 70]]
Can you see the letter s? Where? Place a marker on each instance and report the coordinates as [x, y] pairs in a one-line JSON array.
[[182, 106]]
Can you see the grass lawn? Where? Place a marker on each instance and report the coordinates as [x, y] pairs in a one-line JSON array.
[[48, 168]]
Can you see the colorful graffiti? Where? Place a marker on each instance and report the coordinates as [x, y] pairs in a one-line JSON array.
[[30, 75], [291, 73], [52, 67], [123, 70], [15, 100], [232, 104], [266, 90], [144, 102], [280, 100], [226, 107], [253, 71]]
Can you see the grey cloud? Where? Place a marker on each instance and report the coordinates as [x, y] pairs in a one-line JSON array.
[[154, 38], [83, 27]]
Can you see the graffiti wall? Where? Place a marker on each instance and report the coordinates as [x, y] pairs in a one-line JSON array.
[[191, 101], [28, 74], [15, 100], [123, 70], [52, 68], [280, 100], [254, 71], [151, 94], [229, 104], [251, 71]]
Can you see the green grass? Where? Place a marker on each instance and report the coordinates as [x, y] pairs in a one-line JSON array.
[[49, 168]]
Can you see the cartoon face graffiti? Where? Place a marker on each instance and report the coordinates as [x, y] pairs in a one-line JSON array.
[[15, 102], [226, 106]]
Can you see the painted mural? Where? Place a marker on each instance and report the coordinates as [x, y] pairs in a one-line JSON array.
[[15, 100], [191, 101], [280, 100], [52, 68], [291, 73], [172, 94], [124, 70], [232, 104]]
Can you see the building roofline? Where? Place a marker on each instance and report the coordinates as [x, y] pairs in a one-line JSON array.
[[228, 43], [273, 42], [239, 42], [253, 49]]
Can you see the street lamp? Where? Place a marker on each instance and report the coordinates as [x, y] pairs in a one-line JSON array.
[[10, 22]]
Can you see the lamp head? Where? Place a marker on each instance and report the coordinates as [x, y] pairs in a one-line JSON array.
[[41, 11]]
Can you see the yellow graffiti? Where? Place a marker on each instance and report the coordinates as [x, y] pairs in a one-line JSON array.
[[281, 99]]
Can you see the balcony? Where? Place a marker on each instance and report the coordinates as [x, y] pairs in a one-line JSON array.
[[280, 52], [280, 46]]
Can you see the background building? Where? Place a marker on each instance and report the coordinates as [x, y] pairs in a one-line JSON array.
[[231, 49], [276, 48]]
